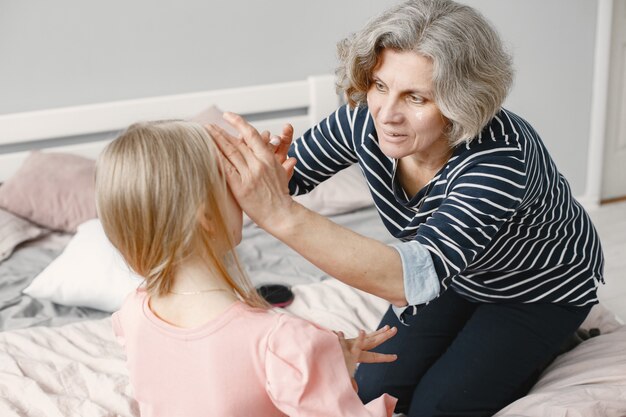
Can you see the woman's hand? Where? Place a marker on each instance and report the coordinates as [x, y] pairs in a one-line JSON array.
[[357, 350], [257, 173], [281, 146]]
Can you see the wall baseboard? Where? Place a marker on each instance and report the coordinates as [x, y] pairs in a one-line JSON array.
[[597, 130]]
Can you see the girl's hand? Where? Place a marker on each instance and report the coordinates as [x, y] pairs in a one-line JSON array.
[[357, 350]]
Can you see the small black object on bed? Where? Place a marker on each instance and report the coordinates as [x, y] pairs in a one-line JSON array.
[[276, 294]]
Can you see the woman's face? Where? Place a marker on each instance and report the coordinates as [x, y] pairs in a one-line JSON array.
[[400, 99]]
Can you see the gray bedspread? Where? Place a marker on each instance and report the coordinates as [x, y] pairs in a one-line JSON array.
[[268, 260]]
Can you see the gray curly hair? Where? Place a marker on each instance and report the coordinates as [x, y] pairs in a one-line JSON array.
[[472, 72]]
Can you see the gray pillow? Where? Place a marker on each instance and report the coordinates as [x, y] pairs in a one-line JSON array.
[[15, 230]]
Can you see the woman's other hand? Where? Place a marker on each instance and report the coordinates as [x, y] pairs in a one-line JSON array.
[[281, 147], [280, 144]]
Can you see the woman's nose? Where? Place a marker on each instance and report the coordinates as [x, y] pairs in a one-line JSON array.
[[390, 111]]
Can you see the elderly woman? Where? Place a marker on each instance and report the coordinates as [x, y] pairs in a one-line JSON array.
[[497, 264]]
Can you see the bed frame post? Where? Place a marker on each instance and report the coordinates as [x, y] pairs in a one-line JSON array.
[[322, 103]]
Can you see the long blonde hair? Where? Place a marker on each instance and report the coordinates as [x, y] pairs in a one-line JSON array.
[[151, 184]]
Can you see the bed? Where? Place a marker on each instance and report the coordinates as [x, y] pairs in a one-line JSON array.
[[60, 278]]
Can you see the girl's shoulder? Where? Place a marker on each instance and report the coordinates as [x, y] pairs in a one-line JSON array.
[[292, 328], [128, 313], [133, 301]]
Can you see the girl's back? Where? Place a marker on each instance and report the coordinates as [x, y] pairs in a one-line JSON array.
[[245, 362]]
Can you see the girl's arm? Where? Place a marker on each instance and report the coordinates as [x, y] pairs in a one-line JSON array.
[[306, 375]]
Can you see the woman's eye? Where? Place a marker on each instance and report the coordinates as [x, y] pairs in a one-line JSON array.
[[416, 99], [379, 86]]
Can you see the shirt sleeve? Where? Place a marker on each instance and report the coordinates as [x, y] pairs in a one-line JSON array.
[[307, 375], [483, 195], [421, 283], [117, 328], [323, 150]]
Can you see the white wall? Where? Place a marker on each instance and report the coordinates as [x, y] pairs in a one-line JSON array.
[[72, 52], [553, 48], [68, 52]]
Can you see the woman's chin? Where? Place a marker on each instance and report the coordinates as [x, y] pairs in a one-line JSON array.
[[392, 151]]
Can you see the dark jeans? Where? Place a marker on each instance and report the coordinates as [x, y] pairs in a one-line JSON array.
[[458, 358]]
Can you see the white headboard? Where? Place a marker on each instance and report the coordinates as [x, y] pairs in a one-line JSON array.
[[302, 103]]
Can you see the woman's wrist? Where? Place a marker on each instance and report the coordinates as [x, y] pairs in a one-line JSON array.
[[285, 220]]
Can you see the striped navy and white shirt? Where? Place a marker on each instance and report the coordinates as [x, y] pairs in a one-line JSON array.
[[498, 220]]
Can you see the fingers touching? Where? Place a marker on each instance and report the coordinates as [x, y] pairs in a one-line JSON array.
[[250, 135]]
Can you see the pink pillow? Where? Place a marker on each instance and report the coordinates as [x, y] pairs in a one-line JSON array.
[[54, 190], [14, 231], [213, 114]]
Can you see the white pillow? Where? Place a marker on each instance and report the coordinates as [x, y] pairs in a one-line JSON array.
[[89, 273]]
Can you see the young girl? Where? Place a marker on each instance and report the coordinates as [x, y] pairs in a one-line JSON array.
[[199, 340]]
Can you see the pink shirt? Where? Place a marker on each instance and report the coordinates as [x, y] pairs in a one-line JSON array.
[[247, 362]]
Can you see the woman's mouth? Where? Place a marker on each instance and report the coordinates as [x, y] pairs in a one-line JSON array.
[[393, 137]]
